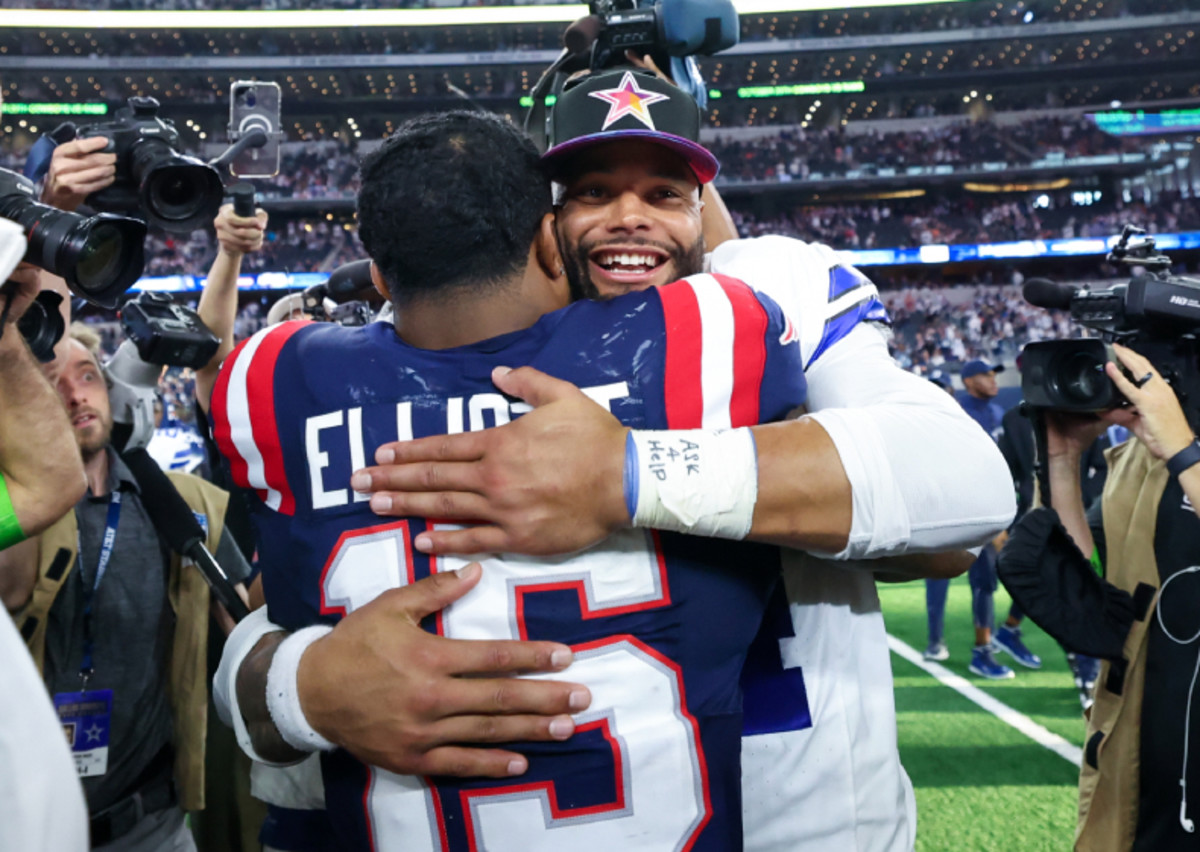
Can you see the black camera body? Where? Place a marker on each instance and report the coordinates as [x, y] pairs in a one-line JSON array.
[[662, 29], [42, 325], [350, 314], [166, 333], [1156, 313], [176, 192]]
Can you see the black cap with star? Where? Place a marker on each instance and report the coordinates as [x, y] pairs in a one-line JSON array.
[[627, 104]]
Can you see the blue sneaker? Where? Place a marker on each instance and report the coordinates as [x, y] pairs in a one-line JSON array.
[[983, 663], [937, 652], [1086, 670], [1008, 640]]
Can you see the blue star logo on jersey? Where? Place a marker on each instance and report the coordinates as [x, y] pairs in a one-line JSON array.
[[628, 99]]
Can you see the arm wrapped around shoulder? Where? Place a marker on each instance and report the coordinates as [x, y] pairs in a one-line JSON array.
[[923, 475], [1056, 586]]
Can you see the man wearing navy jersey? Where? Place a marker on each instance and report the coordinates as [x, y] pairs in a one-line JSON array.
[[857, 478], [659, 623]]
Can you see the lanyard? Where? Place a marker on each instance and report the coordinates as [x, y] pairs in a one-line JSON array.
[[89, 594]]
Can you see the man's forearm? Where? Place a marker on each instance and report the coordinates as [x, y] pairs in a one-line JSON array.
[[38, 455], [804, 498], [1066, 498], [218, 310], [252, 701], [715, 220]]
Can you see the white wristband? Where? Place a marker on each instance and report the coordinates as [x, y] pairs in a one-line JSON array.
[[283, 699], [698, 481]]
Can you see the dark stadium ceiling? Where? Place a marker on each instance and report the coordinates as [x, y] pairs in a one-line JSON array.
[[904, 61]]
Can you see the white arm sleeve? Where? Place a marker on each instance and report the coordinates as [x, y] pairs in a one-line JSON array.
[[923, 475], [238, 646]]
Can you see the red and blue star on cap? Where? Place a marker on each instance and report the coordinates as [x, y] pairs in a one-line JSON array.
[[628, 99]]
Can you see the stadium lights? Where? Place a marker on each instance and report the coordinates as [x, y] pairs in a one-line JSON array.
[[18, 108], [257, 19], [835, 88]]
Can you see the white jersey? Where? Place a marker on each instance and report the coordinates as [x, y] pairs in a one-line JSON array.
[[41, 800], [830, 777]]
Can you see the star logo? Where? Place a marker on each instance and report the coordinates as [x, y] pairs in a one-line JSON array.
[[94, 732], [628, 99]]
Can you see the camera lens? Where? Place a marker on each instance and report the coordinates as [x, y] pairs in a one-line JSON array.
[[42, 325], [99, 257], [178, 193], [1080, 378]]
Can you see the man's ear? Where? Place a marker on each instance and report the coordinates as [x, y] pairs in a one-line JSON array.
[[381, 286], [549, 257]]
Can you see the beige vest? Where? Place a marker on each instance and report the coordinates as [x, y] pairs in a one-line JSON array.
[[188, 593], [1108, 794]]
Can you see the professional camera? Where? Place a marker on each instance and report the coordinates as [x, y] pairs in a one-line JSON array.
[[42, 325], [662, 29], [176, 192], [166, 333], [672, 32], [1156, 313], [317, 304], [98, 256]]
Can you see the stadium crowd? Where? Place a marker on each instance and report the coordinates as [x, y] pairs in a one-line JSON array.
[[922, 18], [967, 219], [321, 245]]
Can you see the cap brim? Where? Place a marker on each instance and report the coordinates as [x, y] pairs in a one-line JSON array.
[[701, 161]]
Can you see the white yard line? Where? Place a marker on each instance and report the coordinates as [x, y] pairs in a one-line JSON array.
[[999, 709]]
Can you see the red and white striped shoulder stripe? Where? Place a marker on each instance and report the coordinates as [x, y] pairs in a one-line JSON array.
[[716, 352], [244, 424]]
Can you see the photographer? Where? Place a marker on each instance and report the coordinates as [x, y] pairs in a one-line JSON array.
[[1145, 535], [119, 629], [237, 236], [41, 476]]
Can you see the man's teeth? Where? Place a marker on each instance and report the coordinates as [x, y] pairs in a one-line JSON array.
[[629, 261]]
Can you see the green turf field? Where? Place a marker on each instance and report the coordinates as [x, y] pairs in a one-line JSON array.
[[982, 785]]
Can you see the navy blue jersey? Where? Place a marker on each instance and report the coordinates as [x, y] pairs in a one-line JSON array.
[[660, 623]]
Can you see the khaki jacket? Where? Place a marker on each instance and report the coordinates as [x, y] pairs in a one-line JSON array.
[[1108, 778], [188, 593]]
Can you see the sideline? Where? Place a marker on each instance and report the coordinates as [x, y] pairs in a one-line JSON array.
[[1028, 727]]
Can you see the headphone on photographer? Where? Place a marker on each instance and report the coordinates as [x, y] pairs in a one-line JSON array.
[[1184, 821]]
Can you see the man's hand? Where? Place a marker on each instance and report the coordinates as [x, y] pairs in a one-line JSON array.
[[77, 169], [240, 235], [1069, 435], [549, 482], [406, 700], [21, 289], [1156, 418]]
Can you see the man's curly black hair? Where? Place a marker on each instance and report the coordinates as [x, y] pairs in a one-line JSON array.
[[450, 201]]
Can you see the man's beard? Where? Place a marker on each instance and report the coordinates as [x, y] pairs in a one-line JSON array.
[[689, 261], [90, 447]]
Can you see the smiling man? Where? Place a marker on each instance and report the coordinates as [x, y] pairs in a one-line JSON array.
[[854, 479]]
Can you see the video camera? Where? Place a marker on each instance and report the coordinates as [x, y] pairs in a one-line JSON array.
[[176, 192], [662, 29], [160, 333], [672, 32], [350, 314], [1156, 313]]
